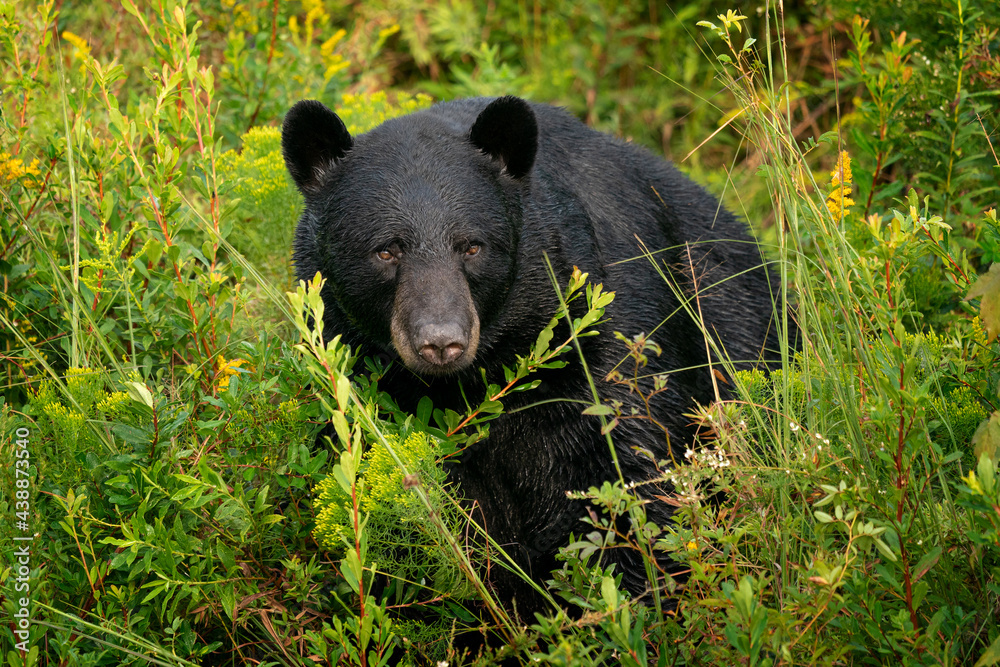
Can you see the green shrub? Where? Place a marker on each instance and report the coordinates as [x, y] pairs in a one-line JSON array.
[[842, 510], [403, 533]]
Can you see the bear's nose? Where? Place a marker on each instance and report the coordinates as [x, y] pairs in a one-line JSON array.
[[442, 345]]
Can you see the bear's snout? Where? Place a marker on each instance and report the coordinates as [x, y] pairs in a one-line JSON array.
[[435, 326], [442, 344]]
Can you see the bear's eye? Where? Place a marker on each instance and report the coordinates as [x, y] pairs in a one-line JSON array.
[[390, 254], [472, 250]]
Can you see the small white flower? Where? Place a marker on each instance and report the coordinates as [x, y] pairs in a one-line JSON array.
[[688, 453], [793, 426]]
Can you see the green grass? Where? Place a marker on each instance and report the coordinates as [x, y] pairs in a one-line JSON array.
[[843, 510]]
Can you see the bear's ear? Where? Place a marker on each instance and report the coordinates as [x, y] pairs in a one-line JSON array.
[[506, 130], [312, 138]]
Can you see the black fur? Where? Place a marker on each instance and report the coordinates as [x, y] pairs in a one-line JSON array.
[[395, 222], [313, 138]]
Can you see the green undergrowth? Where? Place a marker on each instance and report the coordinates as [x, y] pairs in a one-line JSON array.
[[207, 481]]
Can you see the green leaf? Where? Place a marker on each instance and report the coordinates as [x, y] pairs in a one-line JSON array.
[[928, 561], [544, 338], [987, 289], [886, 551], [227, 596], [226, 556], [260, 502], [424, 410], [609, 593], [350, 569], [991, 656], [138, 392], [491, 407], [340, 425], [342, 480], [599, 409], [131, 434], [343, 391], [986, 439]]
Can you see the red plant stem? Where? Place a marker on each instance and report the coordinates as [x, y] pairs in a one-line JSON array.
[[901, 432], [41, 191], [473, 415], [965, 277], [900, 482], [357, 549], [357, 528]]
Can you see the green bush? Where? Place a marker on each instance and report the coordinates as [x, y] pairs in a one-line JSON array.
[[840, 510]]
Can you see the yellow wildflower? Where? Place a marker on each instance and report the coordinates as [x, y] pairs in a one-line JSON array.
[[841, 182], [79, 42], [243, 19], [81, 49], [334, 61], [13, 169], [692, 545], [979, 335], [316, 14], [227, 369]]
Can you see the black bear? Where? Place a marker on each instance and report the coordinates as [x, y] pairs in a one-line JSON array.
[[430, 231]]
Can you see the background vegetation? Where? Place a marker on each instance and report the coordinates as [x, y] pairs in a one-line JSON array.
[[845, 510]]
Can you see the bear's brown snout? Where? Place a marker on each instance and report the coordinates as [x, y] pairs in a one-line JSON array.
[[435, 327]]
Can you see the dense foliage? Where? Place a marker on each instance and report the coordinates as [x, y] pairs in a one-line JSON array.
[[207, 481]]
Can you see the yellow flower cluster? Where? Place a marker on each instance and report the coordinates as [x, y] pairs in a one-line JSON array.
[[316, 14], [841, 181], [334, 61], [81, 49], [384, 489], [12, 169], [979, 335], [259, 169], [113, 405], [227, 369], [81, 45], [67, 423], [242, 18], [361, 113]]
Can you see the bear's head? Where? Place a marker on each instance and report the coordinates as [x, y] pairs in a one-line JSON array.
[[415, 225]]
